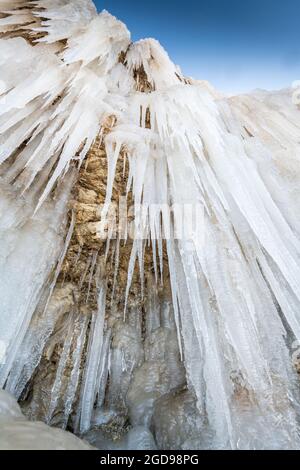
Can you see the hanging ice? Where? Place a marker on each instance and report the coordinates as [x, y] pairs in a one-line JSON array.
[[215, 185]]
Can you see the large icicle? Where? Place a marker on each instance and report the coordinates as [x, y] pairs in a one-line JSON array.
[[94, 356]]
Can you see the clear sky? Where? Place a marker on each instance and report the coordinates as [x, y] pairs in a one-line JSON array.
[[237, 45]]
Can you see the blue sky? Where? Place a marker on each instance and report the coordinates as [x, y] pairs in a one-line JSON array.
[[237, 45]]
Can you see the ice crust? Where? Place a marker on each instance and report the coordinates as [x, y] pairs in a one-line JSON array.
[[235, 283]]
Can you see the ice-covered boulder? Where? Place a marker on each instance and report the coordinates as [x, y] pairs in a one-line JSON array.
[[19, 434]]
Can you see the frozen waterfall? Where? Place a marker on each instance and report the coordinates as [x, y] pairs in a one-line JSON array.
[[178, 325]]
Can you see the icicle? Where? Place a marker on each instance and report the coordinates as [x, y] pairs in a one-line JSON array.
[[61, 258], [131, 266], [76, 359], [174, 287], [153, 307], [149, 55], [110, 236], [33, 346], [58, 17], [56, 387], [103, 369], [116, 269]]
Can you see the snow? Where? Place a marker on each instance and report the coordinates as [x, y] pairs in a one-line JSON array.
[[160, 71], [235, 280]]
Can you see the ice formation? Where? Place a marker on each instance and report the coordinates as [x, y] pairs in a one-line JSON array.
[[208, 363], [19, 434]]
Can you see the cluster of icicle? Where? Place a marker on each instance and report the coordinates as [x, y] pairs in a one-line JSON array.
[[236, 285]]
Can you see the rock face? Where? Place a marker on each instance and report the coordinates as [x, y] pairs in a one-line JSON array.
[[177, 330]]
